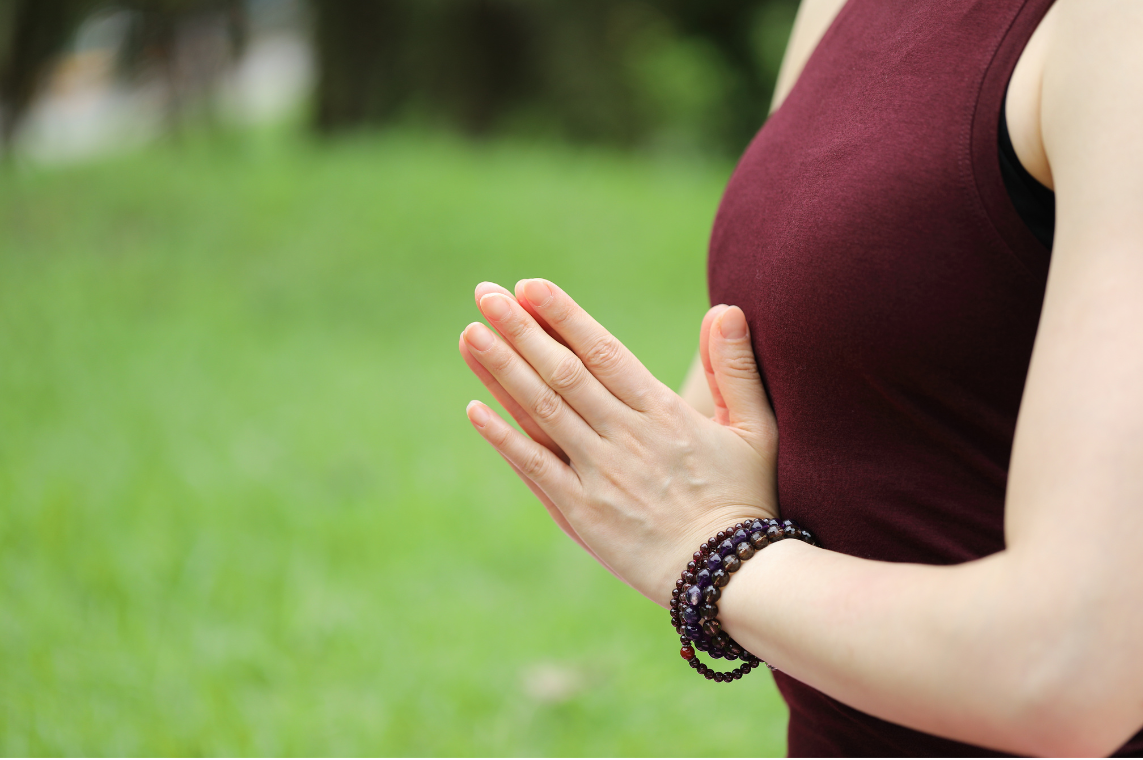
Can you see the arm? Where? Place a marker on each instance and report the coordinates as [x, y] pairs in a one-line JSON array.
[[1033, 650], [1037, 649]]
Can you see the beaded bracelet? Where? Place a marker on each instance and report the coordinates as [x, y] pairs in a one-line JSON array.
[[694, 601]]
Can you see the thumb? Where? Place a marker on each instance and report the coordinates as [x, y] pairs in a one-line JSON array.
[[736, 372]]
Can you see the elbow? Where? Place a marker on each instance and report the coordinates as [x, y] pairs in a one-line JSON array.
[[1077, 717]]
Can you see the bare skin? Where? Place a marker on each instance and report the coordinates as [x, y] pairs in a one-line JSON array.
[[1034, 650]]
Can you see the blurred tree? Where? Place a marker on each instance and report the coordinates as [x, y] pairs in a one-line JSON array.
[[32, 33], [172, 37], [627, 72], [601, 70]]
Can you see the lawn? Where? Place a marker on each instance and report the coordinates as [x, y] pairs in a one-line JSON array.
[[241, 509]]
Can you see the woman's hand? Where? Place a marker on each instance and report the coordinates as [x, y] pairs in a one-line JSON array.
[[624, 465]]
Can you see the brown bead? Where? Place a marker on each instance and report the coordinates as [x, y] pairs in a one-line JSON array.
[[708, 612], [775, 533], [719, 578], [744, 550], [711, 594], [711, 628], [758, 539], [687, 653], [731, 564]]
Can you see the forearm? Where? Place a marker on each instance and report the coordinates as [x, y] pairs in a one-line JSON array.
[[977, 652]]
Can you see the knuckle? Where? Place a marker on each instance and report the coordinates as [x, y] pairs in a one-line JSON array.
[[499, 360], [533, 464], [559, 312], [502, 437], [547, 407], [605, 354], [514, 325], [568, 375], [741, 365]]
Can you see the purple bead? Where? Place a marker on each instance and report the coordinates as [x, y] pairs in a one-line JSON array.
[[726, 548], [714, 562], [693, 632], [694, 596], [689, 614], [756, 526], [738, 537], [715, 653], [702, 580]]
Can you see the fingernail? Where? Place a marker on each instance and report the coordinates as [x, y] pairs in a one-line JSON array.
[[478, 413], [537, 292], [732, 324], [495, 306], [479, 336]]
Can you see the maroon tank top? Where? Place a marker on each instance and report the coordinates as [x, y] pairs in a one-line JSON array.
[[893, 294]]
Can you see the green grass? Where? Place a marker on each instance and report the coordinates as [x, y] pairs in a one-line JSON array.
[[241, 508]]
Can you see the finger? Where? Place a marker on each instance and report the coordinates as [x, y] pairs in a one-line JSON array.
[[528, 307], [561, 369], [739, 382], [720, 415], [556, 481], [601, 352], [485, 288], [553, 415], [505, 400]]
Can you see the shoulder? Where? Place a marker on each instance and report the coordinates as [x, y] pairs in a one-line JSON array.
[[1092, 106], [810, 25]]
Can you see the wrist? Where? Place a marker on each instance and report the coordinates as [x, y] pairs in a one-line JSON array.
[[695, 613]]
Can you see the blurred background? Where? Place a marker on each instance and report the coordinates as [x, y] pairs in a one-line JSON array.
[[241, 508]]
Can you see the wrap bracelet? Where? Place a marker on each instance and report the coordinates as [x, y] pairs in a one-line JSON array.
[[694, 600]]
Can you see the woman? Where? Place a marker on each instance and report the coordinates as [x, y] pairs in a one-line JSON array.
[[979, 581]]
